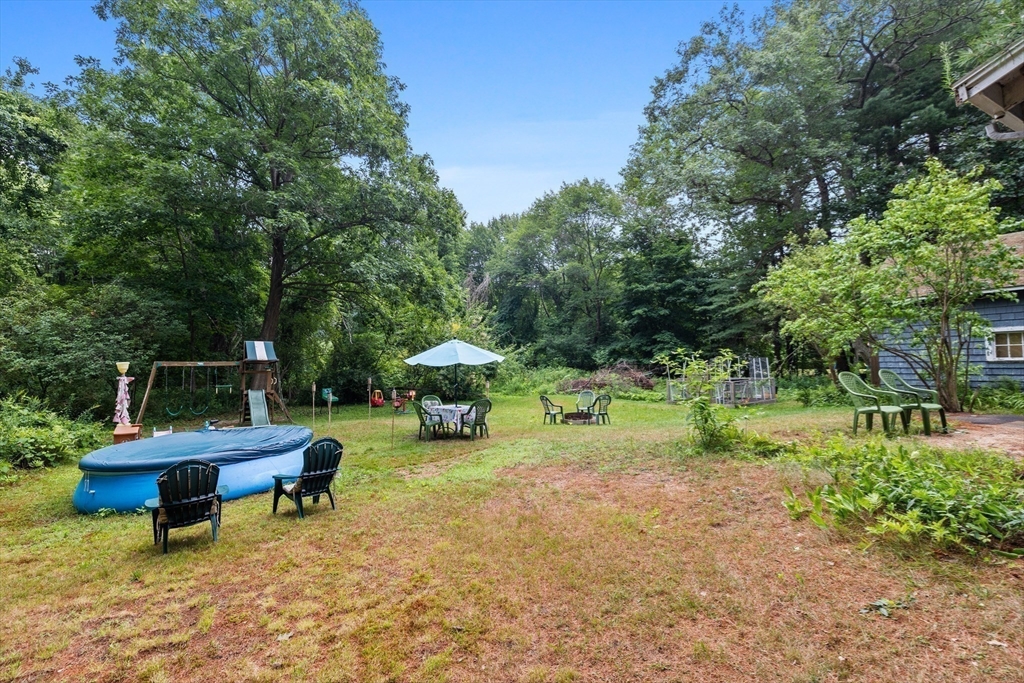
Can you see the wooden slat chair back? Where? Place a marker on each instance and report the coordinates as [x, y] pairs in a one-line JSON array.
[[479, 412], [602, 402], [188, 495], [320, 463], [915, 398], [870, 401], [428, 423], [585, 401], [552, 412]]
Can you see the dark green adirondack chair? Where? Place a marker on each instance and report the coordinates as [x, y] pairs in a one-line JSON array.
[[188, 495], [870, 401], [915, 398], [601, 404], [552, 412], [479, 422], [428, 423], [319, 465]]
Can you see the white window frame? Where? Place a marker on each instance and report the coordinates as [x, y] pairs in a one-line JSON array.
[[990, 345]]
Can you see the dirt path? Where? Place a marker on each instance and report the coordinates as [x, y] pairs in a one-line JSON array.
[[1003, 433]]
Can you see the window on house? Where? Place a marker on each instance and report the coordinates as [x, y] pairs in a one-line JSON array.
[[1008, 345]]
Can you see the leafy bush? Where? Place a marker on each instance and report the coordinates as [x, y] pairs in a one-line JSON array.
[[1005, 397], [950, 498], [519, 380], [32, 436], [713, 425], [812, 392]]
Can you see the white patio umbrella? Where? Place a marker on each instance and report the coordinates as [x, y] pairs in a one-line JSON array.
[[455, 353]]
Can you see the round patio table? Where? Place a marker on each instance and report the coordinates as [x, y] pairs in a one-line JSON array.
[[454, 415]]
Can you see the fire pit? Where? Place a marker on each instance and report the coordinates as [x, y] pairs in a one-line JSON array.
[[578, 419]]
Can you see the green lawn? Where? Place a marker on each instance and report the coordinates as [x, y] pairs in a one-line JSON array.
[[545, 553]]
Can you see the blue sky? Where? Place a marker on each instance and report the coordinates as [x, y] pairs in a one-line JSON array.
[[510, 99]]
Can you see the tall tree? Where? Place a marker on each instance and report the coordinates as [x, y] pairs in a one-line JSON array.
[[907, 282], [285, 124], [797, 122]]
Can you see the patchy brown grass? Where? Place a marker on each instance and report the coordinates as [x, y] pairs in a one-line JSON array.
[[542, 554]]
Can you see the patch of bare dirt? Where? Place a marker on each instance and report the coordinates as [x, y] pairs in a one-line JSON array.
[[1007, 437]]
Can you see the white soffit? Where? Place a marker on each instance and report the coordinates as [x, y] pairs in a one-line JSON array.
[[997, 88]]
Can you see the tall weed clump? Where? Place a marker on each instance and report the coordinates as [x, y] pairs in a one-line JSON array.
[[948, 498], [33, 436]]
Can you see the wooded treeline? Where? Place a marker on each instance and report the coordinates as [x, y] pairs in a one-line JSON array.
[[243, 171]]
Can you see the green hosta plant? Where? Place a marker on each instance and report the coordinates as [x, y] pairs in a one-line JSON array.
[[948, 498]]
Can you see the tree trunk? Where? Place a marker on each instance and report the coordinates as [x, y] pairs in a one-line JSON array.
[[947, 388], [272, 313]]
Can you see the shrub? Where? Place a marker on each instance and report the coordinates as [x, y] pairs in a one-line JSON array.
[[812, 392], [1005, 397], [949, 498], [713, 425], [32, 436]]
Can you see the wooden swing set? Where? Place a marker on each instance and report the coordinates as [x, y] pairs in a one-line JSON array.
[[258, 370]]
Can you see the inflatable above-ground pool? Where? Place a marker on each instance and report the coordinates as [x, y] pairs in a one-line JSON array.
[[123, 477]]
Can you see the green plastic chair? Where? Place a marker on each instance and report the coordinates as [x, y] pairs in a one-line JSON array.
[[428, 423], [479, 424], [870, 401], [552, 412], [585, 401], [913, 398], [602, 403]]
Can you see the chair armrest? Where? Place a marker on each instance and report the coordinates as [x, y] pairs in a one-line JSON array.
[[152, 503], [278, 477], [222, 490], [904, 392], [893, 396], [870, 397]]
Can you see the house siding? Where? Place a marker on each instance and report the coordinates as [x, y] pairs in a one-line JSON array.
[[999, 313]]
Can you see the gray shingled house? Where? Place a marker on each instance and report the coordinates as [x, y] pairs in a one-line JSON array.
[[1000, 356]]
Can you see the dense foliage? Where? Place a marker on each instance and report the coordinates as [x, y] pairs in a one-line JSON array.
[[244, 171], [32, 436], [904, 283], [944, 496]]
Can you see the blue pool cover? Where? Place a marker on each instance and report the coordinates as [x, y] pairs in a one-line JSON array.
[[219, 446], [123, 477]]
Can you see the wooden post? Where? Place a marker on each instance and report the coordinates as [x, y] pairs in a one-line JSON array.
[[394, 397], [145, 399], [330, 400], [369, 398], [314, 406]]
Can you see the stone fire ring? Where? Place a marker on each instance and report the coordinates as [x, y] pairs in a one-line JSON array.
[[579, 419]]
